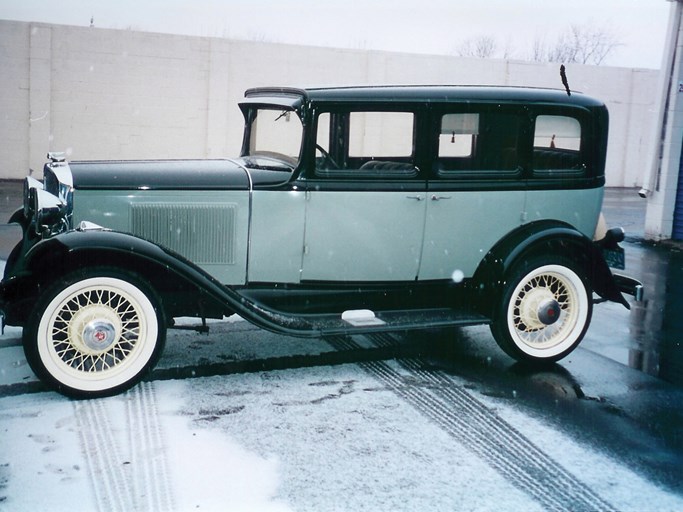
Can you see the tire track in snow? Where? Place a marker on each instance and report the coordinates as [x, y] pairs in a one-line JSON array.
[[127, 466], [150, 475], [461, 415], [103, 458]]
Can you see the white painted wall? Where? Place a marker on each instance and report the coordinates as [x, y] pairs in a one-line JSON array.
[[112, 94], [660, 184]]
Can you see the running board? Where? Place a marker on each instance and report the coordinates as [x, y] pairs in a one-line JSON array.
[[366, 321]]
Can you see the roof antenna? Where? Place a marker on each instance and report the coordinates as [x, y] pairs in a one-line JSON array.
[[563, 76]]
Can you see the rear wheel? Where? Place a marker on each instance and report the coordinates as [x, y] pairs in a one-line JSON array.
[[544, 311], [95, 333]]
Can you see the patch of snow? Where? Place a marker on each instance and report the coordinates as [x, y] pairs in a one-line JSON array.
[[14, 368], [210, 470], [361, 317]]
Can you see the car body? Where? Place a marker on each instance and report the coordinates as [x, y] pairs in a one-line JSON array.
[[350, 210]]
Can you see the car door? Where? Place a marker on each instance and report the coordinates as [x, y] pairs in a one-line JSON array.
[[365, 199], [476, 192]]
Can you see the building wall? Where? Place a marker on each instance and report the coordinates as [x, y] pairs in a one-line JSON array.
[[113, 94], [660, 185]]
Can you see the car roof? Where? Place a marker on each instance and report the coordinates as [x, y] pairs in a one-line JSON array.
[[425, 93]]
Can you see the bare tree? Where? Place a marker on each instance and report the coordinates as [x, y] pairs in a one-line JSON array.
[[481, 47], [580, 44], [508, 50], [539, 50]]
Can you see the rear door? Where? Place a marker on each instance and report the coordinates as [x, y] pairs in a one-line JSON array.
[[476, 192]]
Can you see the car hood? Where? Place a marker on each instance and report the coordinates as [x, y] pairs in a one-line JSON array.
[[160, 175]]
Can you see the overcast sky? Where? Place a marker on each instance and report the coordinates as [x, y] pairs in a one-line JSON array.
[[418, 26]]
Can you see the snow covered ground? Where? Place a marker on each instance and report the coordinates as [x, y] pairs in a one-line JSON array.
[[382, 435], [361, 435]]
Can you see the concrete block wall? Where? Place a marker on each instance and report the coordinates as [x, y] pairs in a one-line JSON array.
[[113, 94]]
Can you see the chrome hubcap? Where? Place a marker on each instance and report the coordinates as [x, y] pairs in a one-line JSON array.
[[99, 335], [549, 311]]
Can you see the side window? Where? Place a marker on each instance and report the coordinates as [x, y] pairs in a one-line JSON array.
[[481, 144], [458, 135], [557, 144], [380, 134], [365, 144]]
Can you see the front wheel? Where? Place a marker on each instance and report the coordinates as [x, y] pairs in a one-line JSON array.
[[95, 333], [544, 311]]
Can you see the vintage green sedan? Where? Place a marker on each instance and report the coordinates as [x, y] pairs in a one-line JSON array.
[[350, 210]]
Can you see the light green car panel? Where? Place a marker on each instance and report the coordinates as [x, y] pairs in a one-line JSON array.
[[460, 230], [579, 208], [363, 236], [210, 228], [277, 236], [333, 236], [462, 227]]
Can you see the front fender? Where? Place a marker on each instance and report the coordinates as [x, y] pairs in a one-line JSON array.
[[166, 271], [19, 217], [547, 237], [185, 288], [102, 247]]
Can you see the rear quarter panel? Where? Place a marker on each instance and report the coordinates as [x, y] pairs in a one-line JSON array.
[[579, 208]]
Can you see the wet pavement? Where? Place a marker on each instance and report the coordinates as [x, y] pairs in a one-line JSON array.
[[10, 201], [654, 340]]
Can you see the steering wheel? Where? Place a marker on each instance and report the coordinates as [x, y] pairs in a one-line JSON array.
[[327, 158]]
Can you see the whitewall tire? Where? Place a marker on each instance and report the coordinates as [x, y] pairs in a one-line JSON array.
[[544, 311], [95, 333]]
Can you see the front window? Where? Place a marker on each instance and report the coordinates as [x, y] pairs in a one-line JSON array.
[[365, 144], [274, 138], [381, 134]]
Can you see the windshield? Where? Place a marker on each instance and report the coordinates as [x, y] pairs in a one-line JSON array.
[[274, 138]]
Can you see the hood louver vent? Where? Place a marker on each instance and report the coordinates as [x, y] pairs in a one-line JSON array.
[[203, 233]]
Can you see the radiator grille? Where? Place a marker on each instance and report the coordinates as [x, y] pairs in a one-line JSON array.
[[203, 233]]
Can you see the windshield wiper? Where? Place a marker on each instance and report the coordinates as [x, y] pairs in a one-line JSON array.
[[284, 113]]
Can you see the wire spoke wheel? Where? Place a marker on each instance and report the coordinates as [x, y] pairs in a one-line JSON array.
[[96, 336], [97, 330], [530, 297], [544, 312]]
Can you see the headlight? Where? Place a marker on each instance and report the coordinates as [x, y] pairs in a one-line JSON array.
[[45, 212], [30, 183], [59, 180]]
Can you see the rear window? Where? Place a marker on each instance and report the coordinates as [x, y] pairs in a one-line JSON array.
[[557, 144]]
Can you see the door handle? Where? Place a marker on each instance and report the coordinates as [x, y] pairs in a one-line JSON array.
[[439, 198], [417, 198]]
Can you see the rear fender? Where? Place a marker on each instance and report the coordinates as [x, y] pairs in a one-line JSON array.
[[545, 237]]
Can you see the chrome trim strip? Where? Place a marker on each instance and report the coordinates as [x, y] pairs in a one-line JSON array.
[[251, 196]]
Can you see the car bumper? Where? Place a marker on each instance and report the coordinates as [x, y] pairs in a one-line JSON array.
[[629, 286]]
